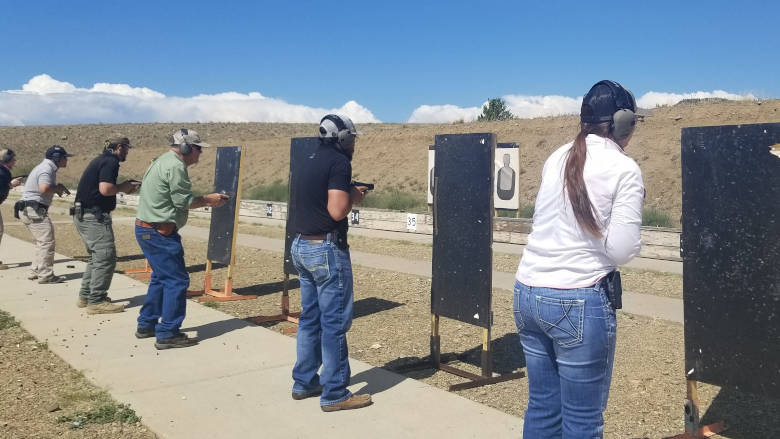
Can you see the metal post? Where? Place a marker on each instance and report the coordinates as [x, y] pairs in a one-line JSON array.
[[487, 357]]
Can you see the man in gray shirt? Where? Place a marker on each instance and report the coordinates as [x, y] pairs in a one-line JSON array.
[[39, 190]]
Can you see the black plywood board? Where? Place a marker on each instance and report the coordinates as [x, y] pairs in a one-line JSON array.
[[223, 219], [463, 234], [300, 149], [731, 256]]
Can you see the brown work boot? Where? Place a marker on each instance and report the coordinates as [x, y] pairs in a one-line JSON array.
[[105, 307], [82, 303], [354, 402]]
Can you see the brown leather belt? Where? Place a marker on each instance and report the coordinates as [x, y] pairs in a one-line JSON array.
[[164, 228], [320, 237]]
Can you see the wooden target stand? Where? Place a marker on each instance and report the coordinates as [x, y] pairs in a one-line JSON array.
[[285, 315], [436, 361], [693, 427], [208, 294], [143, 273]]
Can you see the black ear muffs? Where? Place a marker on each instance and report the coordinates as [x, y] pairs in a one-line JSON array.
[[623, 123], [343, 131], [185, 148], [624, 120]]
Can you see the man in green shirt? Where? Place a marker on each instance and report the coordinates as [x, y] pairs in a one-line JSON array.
[[165, 199]]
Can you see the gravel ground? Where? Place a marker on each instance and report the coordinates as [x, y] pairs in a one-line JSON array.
[[392, 327], [37, 388]]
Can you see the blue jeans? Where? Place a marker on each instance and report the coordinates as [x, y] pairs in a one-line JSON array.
[[166, 298], [325, 274], [568, 338]]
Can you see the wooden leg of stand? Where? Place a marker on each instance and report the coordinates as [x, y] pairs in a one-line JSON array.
[[286, 295], [435, 342], [487, 357], [693, 430], [692, 408]]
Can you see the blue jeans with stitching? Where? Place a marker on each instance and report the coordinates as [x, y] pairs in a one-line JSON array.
[[166, 298], [568, 337], [325, 274]]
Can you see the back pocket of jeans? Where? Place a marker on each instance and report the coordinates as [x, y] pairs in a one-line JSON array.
[[561, 319], [317, 265]]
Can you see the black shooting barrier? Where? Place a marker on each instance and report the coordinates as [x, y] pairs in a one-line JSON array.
[[462, 231], [226, 181], [730, 247], [300, 149]]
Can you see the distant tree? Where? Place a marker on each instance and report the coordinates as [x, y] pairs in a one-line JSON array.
[[495, 110]]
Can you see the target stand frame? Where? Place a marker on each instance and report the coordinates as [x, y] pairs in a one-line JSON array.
[[436, 361], [285, 315]]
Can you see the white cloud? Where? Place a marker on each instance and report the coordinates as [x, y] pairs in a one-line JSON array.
[[654, 99], [443, 114], [44, 100], [539, 106]]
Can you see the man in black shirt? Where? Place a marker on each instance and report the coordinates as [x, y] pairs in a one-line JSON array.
[[324, 197], [95, 199], [7, 162]]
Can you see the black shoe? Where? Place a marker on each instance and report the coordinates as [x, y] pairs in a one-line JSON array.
[[144, 332], [303, 395], [177, 341]]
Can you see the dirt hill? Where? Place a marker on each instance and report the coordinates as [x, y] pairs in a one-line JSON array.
[[395, 155]]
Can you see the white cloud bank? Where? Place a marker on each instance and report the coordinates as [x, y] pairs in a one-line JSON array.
[[44, 100], [527, 107]]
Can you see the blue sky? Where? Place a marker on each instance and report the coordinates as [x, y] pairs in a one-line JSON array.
[[391, 58]]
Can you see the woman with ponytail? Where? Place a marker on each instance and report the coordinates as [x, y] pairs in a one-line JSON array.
[[586, 223]]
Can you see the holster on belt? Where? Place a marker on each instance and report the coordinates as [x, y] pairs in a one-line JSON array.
[[614, 289], [18, 207], [22, 204]]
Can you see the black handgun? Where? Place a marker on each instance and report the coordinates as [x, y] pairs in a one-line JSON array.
[[20, 176], [369, 186]]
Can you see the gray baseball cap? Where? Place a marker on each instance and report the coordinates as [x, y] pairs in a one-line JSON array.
[[190, 137]]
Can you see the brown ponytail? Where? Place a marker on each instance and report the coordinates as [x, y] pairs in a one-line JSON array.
[[574, 183]]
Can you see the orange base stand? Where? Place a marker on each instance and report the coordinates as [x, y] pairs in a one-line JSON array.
[[286, 315], [143, 273], [225, 295]]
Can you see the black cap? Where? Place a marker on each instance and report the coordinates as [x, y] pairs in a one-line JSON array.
[[56, 152], [603, 100]]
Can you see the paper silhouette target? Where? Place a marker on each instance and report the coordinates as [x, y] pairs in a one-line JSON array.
[[507, 160]]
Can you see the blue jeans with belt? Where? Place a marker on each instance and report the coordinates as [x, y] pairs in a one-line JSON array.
[[568, 337], [166, 298], [325, 274]]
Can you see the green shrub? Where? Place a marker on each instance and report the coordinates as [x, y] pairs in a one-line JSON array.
[[655, 217], [526, 211], [276, 191], [105, 412], [394, 199]]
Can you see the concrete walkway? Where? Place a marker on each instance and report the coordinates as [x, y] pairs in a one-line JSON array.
[[635, 303], [235, 383]]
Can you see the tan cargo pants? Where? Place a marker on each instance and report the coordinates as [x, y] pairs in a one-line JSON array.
[[40, 226]]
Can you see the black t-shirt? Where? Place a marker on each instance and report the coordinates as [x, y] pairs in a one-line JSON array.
[[103, 168], [324, 170], [5, 182]]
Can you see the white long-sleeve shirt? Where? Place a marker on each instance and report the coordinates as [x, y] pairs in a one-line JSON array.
[[560, 253]]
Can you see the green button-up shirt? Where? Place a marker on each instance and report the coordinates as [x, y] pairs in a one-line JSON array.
[[166, 192]]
